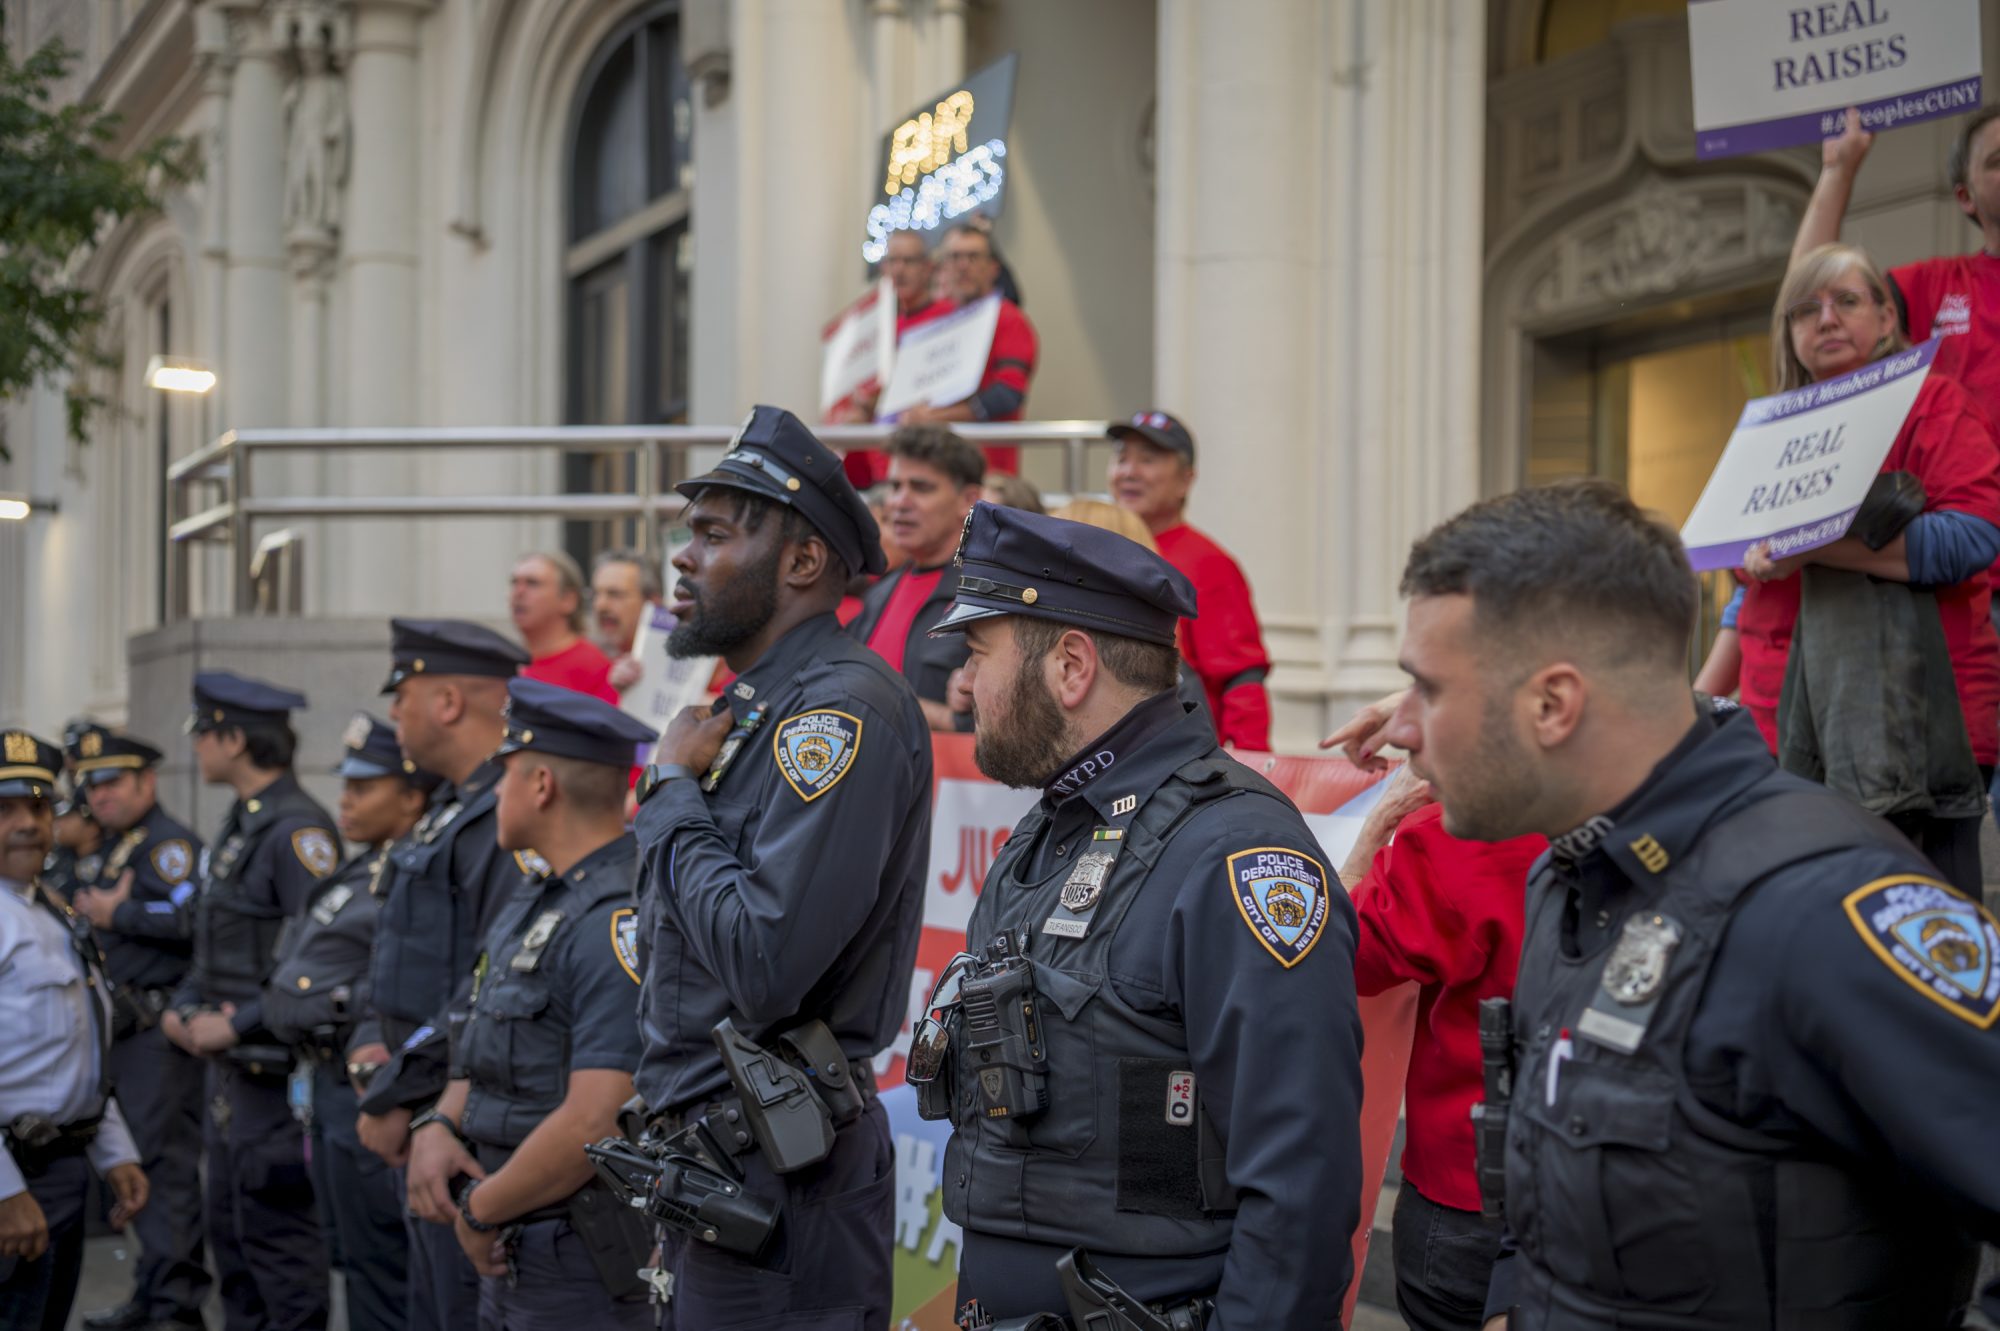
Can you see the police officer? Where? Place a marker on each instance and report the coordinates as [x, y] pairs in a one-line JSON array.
[[1755, 1064], [139, 896], [318, 991], [449, 680], [786, 836], [56, 1111], [275, 845], [546, 1056], [1150, 1050], [78, 852]]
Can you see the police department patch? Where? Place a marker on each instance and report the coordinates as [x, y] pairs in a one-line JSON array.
[[815, 749], [532, 864], [625, 940], [315, 850], [1282, 896], [173, 860], [1944, 945]]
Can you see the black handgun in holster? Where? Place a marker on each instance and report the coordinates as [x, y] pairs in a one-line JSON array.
[[617, 1238], [790, 1119], [683, 1187], [1096, 1303], [1489, 1118]]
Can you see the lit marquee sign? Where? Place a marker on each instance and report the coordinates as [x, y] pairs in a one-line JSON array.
[[946, 161]]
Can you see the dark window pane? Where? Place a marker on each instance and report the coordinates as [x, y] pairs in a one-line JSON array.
[[610, 173]]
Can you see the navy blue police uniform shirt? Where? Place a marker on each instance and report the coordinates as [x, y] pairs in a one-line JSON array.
[[1273, 1033], [795, 889], [1818, 1025], [151, 935]]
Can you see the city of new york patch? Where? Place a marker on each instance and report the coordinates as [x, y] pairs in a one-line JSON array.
[[815, 750], [1943, 945], [1282, 896]]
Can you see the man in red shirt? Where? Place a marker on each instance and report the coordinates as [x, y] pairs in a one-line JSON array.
[[935, 478], [971, 270], [545, 597], [1152, 470], [907, 264]]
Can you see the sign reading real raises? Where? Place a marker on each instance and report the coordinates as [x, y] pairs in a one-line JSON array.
[[945, 161]]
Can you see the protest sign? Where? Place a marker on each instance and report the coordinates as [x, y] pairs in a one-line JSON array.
[[1771, 75], [667, 686], [1800, 463], [858, 348], [945, 162], [942, 361]]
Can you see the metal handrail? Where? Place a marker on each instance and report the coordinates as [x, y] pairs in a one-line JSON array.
[[230, 513]]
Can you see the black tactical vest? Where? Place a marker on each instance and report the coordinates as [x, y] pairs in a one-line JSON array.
[[239, 918], [322, 957], [1635, 1205], [427, 934], [1076, 1174]]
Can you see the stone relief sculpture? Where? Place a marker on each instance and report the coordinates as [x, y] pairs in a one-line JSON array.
[[316, 138]]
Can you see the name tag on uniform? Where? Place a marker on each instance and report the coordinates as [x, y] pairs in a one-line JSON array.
[[330, 903]]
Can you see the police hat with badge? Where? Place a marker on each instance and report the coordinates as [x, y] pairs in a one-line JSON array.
[[225, 699], [98, 754], [1011, 562], [449, 647], [775, 457], [547, 718], [372, 752], [28, 766]]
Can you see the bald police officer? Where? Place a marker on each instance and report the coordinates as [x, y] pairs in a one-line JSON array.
[[1150, 1050], [58, 1119], [548, 1048], [139, 894], [785, 837], [275, 845], [1753, 1033]]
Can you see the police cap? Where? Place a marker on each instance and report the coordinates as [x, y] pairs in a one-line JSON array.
[[224, 698], [1013, 562], [28, 766], [372, 751], [776, 457], [449, 647], [548, 718], [98, 754], [1158, 429]]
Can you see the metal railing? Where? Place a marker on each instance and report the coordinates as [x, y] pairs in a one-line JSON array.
[[211, 496]]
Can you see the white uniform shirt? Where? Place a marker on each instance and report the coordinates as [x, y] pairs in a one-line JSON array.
[[49, 1060]]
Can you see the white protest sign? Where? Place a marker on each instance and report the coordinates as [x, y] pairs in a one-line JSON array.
[[942, 361], [1800, 463], [1775, 73], [667, 686], [858, 346]]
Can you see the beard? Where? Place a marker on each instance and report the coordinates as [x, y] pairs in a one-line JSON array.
[[1486, 798], [1028, 744], [738, 611]]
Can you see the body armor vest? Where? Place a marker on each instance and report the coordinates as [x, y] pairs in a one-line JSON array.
[[238, 922], [322, 957], [1635, 1205], [427, 933], [1102, 1165]]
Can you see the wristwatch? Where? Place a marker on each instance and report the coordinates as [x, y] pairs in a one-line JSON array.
[[430, 1116], [465, 1209], [656, 775]]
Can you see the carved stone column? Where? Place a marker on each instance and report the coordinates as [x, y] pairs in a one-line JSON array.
[[255, 366], [316, 157]]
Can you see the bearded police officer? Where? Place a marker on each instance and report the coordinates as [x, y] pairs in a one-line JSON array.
[[318, 991], [1150, 1051], [275, 845], [785, 837], [545, 1059], [1755, 1064], [140, 896], [57, 1118], [449, 679]]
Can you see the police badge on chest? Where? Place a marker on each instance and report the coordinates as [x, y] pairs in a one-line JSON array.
[[1080, 892], [1629, 989]]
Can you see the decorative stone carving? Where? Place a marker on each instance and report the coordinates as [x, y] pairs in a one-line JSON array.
[[316, 133]]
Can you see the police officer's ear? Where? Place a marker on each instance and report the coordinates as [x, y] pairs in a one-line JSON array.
[[1556, 696], [1073, 668], [146, 784], [807, 562]]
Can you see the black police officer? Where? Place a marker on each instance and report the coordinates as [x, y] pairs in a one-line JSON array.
[[545, 1059], [139, 895], [275, 845], [449, 679], [1150, 1051], [1756, 1067], [786, 836], [317, 993]]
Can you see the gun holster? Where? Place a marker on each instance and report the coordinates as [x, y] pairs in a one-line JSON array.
[[1096, 1303], [685, 1190], [792, 1124], [617, 1238]]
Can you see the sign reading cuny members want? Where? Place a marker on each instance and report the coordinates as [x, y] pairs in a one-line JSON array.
[[1776, 73], [946, 161], [1799, 464]]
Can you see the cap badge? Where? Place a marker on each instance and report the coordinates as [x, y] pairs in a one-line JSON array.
[[958, 556], [93, 744], [20, 747], [356, 734]]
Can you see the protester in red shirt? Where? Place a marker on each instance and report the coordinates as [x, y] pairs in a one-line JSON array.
[[934, 480], [907, 264], [1152, 470], [545, 597], [1834, 316], [971, 271]]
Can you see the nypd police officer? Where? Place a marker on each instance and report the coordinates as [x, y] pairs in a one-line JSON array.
[[1755, 1064], [1150, 1051], [785, 836], [449, 682], [318, 991], [139, 894], [275, 845], [58, 1120], [548, 1048]]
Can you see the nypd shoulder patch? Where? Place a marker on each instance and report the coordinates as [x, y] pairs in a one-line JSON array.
[[1282, 896], [625, 940], [816, 749], [173, 861], [315, 850], [1943, 945]]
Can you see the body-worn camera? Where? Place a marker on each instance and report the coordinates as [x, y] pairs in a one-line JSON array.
[[1004, 1055]]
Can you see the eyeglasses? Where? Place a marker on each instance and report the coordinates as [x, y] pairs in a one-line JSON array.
[[930, 1042], [965, 256], [1845, 304]]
